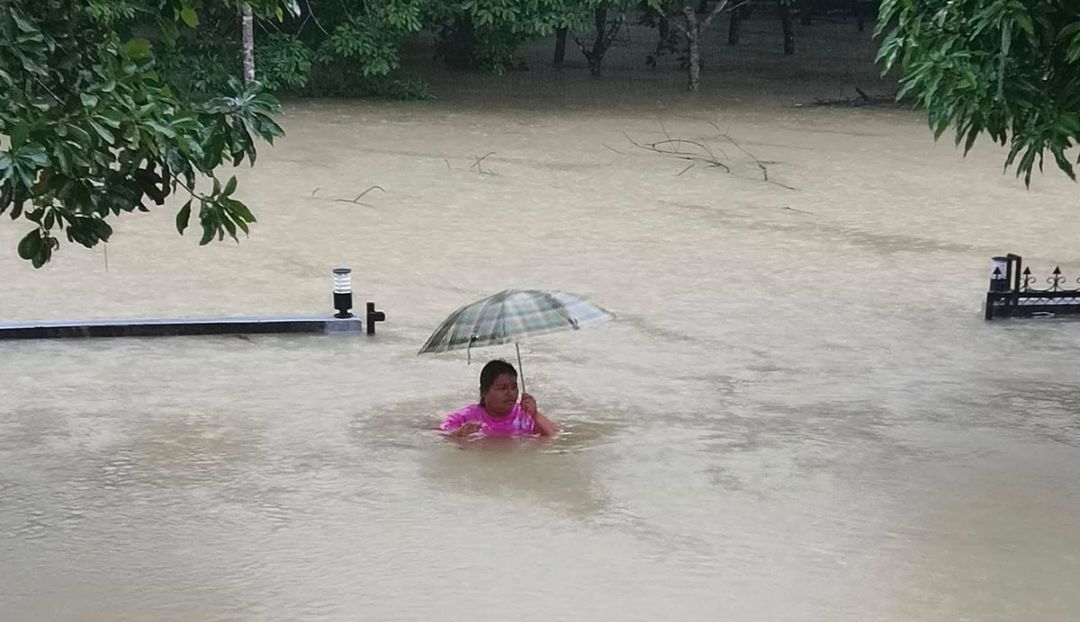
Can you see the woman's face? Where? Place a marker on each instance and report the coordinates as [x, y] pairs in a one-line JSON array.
[[501, 396]]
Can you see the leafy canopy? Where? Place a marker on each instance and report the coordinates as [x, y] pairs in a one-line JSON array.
[[89, 129], [1007, 68]]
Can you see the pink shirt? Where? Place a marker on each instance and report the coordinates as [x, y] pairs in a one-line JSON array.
[[517, 423]]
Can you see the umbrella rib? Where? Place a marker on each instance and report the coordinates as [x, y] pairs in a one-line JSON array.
[[445, 330], [494, 304]]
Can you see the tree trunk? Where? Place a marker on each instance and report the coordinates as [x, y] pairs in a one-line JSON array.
[[664, 28], [693, 39], [789, 34], [733, 29], [599, 47], [560, 47], [248, 38]]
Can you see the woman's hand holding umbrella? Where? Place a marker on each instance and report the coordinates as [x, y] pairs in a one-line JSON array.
[[544, 425]]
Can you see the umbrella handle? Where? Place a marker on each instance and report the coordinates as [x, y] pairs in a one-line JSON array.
[[521, 370]]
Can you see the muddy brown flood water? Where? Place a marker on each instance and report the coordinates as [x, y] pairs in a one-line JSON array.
[[799, 415]]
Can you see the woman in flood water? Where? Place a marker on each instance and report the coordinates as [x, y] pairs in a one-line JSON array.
[[498, 413]]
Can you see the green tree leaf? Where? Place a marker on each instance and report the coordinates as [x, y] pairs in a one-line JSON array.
[[138, 49], [30, 245], [190, 17], [182, 218]]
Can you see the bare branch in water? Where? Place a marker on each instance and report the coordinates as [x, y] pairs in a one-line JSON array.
[[761, 164], [379, 188], [360, 196], [661, 147], [863, 99], [478, 165], [662, 128], [480, 159], [701, 152]]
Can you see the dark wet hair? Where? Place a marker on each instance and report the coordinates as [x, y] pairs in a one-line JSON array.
[[490, 372]]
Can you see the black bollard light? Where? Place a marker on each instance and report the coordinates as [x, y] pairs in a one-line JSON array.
[[372, 317], [343, 292], [998, 280]]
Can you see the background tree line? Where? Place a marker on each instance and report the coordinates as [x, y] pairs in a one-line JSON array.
[[113, 106]]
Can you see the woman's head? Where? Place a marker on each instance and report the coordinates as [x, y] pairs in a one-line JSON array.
[[498, 387]]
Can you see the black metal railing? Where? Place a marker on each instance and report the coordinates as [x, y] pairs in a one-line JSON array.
[[1015, 292]]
